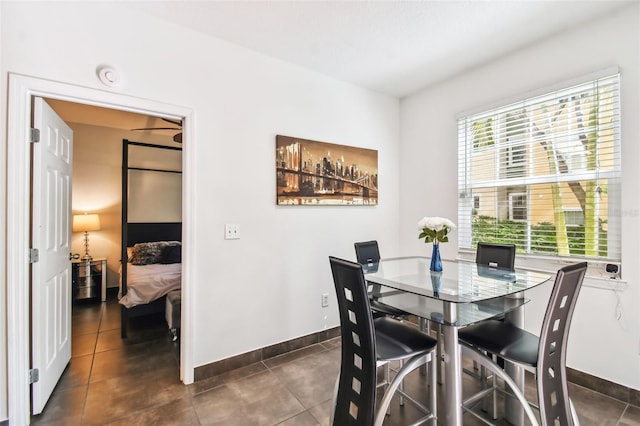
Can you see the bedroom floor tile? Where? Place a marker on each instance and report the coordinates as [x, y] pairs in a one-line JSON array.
[[83, 344], [77, 372], [63, 408], [136, 382], [110, 317], [85, 322]]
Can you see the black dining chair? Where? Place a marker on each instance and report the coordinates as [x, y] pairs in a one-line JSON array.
[[496, 255], [493, 255], [368, 253], [366, 344], [545, 356]]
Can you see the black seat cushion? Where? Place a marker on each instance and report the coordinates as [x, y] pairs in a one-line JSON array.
[[396, 340], [503, 339]]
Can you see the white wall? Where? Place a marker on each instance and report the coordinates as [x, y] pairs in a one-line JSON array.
[[264, 288], [3, 255], [599, 344]]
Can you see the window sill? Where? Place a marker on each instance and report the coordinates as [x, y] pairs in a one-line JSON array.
[[596, 272]]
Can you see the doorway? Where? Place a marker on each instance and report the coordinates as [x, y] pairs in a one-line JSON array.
[[21, 92]]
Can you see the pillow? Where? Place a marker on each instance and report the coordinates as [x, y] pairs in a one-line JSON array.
[[149, 253], [172, 254]]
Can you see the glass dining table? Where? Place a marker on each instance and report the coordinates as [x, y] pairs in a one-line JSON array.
[[461, 294]]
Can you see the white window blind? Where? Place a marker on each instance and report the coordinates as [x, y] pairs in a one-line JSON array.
[[547, 170]]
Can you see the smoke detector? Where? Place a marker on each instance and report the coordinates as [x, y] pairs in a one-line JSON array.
[[108, 75]]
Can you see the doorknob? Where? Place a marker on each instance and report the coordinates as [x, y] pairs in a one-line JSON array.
[[74, 256]]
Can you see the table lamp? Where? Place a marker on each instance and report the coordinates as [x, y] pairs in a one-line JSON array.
[[85, 223]]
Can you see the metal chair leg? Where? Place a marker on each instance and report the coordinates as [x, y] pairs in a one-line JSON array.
[[424, 326]]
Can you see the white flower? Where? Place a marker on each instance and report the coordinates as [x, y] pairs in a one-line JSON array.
[[435, 223], [435, 229]]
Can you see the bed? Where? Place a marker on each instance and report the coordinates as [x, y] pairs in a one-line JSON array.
[[153, 269]]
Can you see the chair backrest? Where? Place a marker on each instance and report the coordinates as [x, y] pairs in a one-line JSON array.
[[367, 252], [356, 394], [496, 255], [551, 376]]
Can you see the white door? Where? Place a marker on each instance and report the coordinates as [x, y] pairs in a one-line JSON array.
[[51, 233]]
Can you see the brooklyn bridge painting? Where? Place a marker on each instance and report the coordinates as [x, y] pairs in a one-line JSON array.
[[319, 173]]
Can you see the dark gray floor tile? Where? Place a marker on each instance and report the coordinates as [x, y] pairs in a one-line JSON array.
[[311, 379], [631, 416], [135, 381], [267, 400], [220, 406], [594, 408], [322, 412], [116, 398], [416, 385], [303, 419], [260, 399], [178, 412]]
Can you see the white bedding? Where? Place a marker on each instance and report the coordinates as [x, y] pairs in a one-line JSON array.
[[146, 283]]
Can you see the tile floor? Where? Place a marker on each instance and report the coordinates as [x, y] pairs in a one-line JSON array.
[[136, 382]]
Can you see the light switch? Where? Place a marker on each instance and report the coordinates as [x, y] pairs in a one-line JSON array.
[[231, 231]]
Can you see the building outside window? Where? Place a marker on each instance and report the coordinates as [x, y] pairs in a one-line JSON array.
[[548, 171]]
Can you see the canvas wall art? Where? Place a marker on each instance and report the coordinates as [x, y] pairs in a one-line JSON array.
[[319, 173]]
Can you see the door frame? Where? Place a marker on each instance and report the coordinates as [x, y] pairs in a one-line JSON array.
[[21, 90]]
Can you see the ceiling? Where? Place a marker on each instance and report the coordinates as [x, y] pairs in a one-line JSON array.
[[393, 47], [97, 116]]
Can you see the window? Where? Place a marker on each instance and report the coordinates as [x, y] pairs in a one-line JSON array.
[[517, 206], [548, 171], [574, 217], [476, 201]]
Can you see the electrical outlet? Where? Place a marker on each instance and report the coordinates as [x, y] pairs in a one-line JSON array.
[[325, 300], [231, 231]]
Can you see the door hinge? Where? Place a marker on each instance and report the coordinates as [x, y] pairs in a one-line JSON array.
[[34, 255], [34, 375], [34, 135]]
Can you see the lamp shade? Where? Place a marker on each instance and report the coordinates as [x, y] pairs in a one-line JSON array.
[[86, 222]]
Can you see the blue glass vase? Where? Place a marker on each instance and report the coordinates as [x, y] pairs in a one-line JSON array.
[[436, 283], [436, 262]]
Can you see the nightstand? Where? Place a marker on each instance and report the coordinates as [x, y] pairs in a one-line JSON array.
[[89, 277]]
